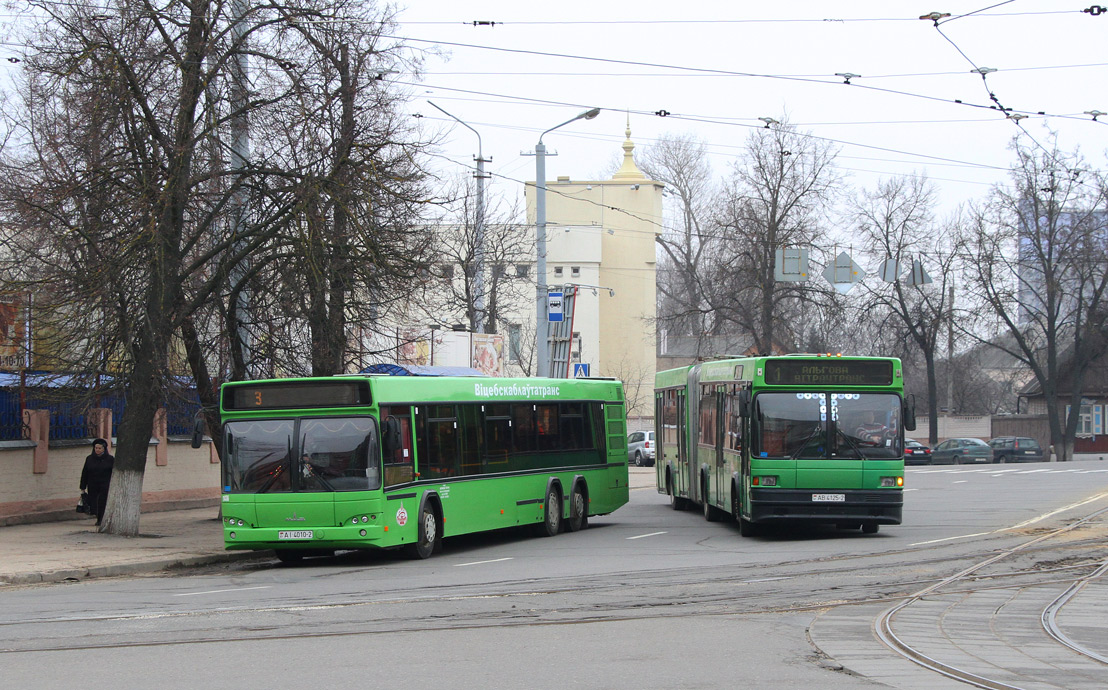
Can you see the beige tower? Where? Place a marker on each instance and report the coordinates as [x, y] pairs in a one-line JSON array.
[[600, 236]]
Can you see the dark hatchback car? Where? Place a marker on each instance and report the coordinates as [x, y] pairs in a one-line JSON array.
[[959, 451], [915, 453], [1016, 449]]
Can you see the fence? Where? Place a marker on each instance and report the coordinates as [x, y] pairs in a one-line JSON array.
[[69, 409]]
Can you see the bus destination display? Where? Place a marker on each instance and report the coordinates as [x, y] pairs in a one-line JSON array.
[[300, 394], [829, 372]]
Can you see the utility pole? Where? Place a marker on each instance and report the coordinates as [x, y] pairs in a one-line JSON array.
[[240, 159], [950, 356], [542, 326], [480, 321]]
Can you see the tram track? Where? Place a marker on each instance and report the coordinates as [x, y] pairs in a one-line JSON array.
[[883, 625]]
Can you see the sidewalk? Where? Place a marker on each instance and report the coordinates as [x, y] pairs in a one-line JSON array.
[[73, 549]]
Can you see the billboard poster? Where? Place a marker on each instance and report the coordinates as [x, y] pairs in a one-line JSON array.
[[13, 331], [488, 353]]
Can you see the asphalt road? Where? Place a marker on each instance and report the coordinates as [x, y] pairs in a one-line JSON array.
[[647, 597]]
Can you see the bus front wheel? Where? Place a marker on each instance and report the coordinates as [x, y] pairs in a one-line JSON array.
[[748, 528], [290, 557], [870, 527], [428, 538]]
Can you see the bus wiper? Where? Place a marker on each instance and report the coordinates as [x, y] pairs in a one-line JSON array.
[[804, 444], [850, 442]]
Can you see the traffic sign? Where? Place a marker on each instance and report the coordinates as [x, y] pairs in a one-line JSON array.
[[580, 370], [554, 306]]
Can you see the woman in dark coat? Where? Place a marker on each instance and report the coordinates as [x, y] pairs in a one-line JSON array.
[[97, 476]]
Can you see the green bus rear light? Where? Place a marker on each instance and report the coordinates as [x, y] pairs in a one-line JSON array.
[[764, 481]]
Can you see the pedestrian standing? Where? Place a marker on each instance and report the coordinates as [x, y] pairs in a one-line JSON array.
[[97, 476]]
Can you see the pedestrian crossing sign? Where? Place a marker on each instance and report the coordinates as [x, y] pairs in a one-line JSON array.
[[580, 370]]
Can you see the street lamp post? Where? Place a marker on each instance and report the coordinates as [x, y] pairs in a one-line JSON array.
[[542, 344], [478, 231]]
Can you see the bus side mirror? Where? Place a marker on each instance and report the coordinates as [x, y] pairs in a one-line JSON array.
[[198, 430], [744, 403], [910, 413]]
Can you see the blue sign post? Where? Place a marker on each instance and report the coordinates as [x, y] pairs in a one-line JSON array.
[[580, 370], [554, 308]]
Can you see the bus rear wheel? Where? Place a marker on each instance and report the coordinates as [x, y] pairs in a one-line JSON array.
[[552, 517], [428, 538], [578, 510], [675, 501], [290, 557], [748, 528]]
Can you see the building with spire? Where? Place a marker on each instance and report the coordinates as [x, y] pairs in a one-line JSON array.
[[601, 240]]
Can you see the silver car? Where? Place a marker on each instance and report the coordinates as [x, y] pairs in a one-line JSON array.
[[640, 448]]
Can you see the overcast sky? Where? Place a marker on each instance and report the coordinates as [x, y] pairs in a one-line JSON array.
[[716, 67]]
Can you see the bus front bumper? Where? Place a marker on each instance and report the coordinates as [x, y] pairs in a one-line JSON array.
[[883, 506]]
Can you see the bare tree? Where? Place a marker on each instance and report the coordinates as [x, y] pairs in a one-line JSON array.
[[776, 198], [508, 249], [896, 222], [1035, 257], [681, 162], [112, 205]]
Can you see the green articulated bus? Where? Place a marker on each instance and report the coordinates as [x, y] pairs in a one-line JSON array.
[[789, 439], [315, 465]]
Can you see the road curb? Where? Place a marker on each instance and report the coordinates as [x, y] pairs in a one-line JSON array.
[[78, 574]]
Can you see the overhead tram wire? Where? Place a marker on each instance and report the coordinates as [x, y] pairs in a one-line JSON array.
[[677, 22], [703, 70], [705, 120]]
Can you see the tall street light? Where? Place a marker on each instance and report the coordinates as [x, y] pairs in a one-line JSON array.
[[478, 231], [542, 345]]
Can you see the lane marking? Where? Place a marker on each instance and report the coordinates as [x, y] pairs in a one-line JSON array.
[[643, 536], [495, 560], [1025, 523], [220, 591], [960, 481], [1055, 512], [768, 579]]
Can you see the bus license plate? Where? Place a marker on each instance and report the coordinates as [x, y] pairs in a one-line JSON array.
[[295, 534], [835, 498]]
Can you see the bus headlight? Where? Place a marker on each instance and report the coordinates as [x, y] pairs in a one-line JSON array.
[[892, 481]]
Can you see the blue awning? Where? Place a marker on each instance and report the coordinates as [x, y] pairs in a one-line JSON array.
[[419, 370]]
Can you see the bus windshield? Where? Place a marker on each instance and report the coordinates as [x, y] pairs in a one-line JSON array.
[[827, 425], [286, 455]]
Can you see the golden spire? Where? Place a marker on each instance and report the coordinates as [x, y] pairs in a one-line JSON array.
[[628, 171]]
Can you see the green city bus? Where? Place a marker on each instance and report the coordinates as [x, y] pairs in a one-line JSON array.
[[788, 439], [315, 465]]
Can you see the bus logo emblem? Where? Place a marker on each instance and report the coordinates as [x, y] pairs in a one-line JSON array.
[[295, 518], [401, 516]]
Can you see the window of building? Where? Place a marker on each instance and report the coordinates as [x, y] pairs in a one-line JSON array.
[[575, 271], [521, 270], [515, 343], [447, 271], [557, 271]]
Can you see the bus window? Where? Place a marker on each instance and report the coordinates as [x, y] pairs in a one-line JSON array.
[[438, 441], [523, 427], [339, 454], [707, 416], [733, 431], [498, 437], [546, 424], [573, 427], [396, 423], [258, 456], [469, 424]]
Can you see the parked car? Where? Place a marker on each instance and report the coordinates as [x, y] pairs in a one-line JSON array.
[[958, 451], [1016, 449], [915, 453], [640, 448]]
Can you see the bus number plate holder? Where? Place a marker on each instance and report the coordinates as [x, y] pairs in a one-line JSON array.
[[293, 535], [832, 498]]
